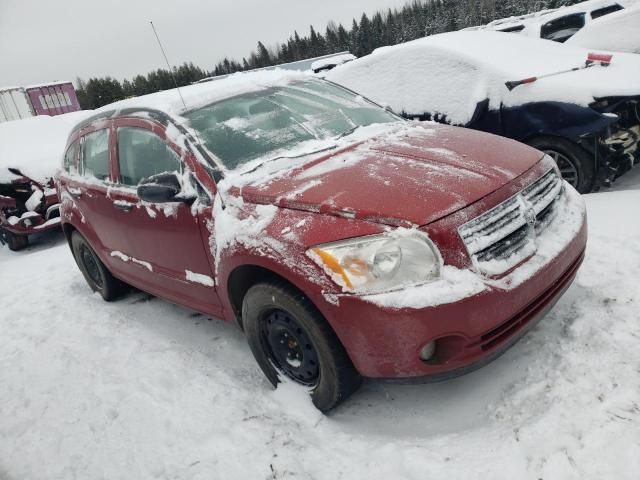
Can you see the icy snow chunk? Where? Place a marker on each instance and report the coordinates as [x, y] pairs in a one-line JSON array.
[[34, 200], [205, 280], [454, 285], [126, 258]]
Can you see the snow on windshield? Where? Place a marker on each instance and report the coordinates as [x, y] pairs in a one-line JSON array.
[[450, 73], [260, 124]]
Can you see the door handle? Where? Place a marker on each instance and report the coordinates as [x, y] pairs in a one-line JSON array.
[[123, 205], [74, 192]]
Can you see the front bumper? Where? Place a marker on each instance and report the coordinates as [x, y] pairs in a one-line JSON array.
[[385, 342]]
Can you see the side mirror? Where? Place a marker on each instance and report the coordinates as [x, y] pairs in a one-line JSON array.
[[162, 188]]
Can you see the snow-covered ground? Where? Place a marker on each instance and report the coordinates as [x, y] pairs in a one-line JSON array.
[[141, 389]]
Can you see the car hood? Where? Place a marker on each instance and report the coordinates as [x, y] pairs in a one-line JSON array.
[[413, 177]]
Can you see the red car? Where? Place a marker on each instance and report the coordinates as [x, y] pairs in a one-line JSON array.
[[344, 241]]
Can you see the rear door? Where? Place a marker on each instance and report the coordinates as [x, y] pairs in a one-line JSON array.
[[167, 244], [87, 190]]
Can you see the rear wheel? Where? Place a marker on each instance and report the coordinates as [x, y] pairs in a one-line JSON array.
[[95, 273], [289, 337], [576, 165], [13, 241]]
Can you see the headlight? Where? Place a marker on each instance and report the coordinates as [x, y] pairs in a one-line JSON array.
[[380, 263]]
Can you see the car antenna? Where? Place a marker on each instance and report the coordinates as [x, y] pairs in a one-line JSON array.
[[168, 65]]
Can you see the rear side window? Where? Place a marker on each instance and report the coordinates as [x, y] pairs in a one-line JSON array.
[[71, 159], [141, 154], [95, 155], [601, 12]]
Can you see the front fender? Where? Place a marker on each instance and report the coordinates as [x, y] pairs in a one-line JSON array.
[[567, 120]]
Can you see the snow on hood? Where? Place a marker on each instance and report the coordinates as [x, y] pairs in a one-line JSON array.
[[619, 31], [414, 176], [451, 72], [35, 145], [202, 94]]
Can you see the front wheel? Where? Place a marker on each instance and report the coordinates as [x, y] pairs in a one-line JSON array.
[[576, 165], [95, 273], [289, 337]]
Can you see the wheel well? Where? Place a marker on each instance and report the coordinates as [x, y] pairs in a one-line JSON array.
[[68, 229], [243, 278]]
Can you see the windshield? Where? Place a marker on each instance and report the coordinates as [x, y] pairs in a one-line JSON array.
[[272, 121]]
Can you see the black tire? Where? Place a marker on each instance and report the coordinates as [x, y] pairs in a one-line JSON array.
[[13, 241], [576, 164], [95, 273], [272, 311]]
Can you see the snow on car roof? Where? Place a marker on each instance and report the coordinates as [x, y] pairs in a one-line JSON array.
[[451, 72], [35, 145], [202, 94], [617, 32], [550, 14]]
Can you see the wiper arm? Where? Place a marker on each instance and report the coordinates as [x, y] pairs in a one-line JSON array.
[[347, 132], [280, 157]]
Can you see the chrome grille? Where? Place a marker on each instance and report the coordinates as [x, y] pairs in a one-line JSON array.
[[507, 232]]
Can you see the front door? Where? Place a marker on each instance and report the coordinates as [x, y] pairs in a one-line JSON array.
[[166, 243]]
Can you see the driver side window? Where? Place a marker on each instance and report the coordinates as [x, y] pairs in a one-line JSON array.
[[141, 154]]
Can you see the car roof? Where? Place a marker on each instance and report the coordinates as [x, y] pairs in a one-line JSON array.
[[505, 57], [175, 102]]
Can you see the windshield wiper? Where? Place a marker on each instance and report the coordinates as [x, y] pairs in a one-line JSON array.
[[347, 132], [280, 157]]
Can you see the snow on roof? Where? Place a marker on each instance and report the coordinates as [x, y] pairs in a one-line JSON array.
[[450, 73], [202, 94], [332, 61], [35, 145], [550, 14], [617, 31]]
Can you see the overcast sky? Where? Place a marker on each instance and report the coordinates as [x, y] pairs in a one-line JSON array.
[[46, 40]]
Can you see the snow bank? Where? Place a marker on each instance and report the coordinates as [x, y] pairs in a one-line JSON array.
[[618, 32], [35, 145], [450, 73], [205, 280]]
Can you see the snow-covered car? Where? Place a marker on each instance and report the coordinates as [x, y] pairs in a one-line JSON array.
[[619, 32], [30, 152], [558, 24], [326, 64], [345, 241], [587, 116]]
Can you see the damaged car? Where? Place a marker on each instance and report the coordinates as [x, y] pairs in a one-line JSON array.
[[581, 108], [27, 207], [30, 152], [344, 241]]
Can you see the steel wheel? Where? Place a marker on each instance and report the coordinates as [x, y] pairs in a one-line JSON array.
[[91, 265], [567, 168], [290, 348]]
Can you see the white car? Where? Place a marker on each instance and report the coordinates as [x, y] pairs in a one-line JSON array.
[[618, 32], [559, 24]]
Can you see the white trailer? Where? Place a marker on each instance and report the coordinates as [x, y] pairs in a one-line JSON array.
[[14, 104]]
